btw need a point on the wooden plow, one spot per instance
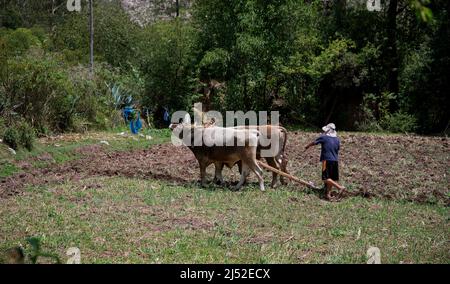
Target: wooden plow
(291, 177)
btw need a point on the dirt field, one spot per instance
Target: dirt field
(394, 167)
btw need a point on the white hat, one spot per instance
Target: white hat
(330, 130)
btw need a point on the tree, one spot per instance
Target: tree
(391, 47)
(91, 34)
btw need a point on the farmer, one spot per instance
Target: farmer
(329, 157)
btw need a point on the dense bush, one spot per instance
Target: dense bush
(11, 138)
(167, 55)
(38, 90)
(54, 96)
(215, 64)
(115, 36)
(400, 123)
(20, 40)
(27, 135)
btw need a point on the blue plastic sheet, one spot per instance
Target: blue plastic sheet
(135, 124)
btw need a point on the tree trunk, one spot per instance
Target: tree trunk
(91, 42)
(177, 6)
(339, 12)
(333, 106)
(391, 52)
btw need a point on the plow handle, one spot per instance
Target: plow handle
(291, 177)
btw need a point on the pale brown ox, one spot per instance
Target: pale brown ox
(272, 140)
(222, 146)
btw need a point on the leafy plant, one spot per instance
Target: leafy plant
(36, 251)
(27, 135)
(120, 97)
(400, 122)
(215, 63)
(11, 138)
(20, 40)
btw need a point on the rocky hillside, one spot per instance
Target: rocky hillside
(147, 11)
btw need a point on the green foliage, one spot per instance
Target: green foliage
(399, 122)
(50, 94)
(2, 126)
(27, 13)
(20, 134)
(375, 116)
(167, 60)
(115, 36)
(11, 138)
(19, 41)
(27, 135)
(38, 89)
(423, 12)
(11, 18)
(215, 64)
(313, 61)
(374, 109)
(35, 251)
(120, 98)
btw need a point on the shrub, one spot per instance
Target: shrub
(368, 126)
(38, 88)
(27, 135)
(10, 18)
(167, 62)
(21, 134)
(11, 138)
(2, 126)
(399, 122)
(214, 64)
(20, 40)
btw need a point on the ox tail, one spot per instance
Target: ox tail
(284, 159)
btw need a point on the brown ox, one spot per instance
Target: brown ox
(219, 146)
(272, 140)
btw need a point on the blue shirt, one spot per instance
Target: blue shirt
(330, 148)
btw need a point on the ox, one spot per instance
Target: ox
(222, 146)
(272, 140)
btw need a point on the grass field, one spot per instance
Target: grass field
(139, 215)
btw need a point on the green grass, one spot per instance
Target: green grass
(7, 169)
(119, 220)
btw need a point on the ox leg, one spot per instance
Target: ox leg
(244, 174)
(258, 172)
(239, 163)
(203, 173)
(271, 161)
(218, 178)
(283, 165)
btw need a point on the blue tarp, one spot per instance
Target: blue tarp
(135, 124)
